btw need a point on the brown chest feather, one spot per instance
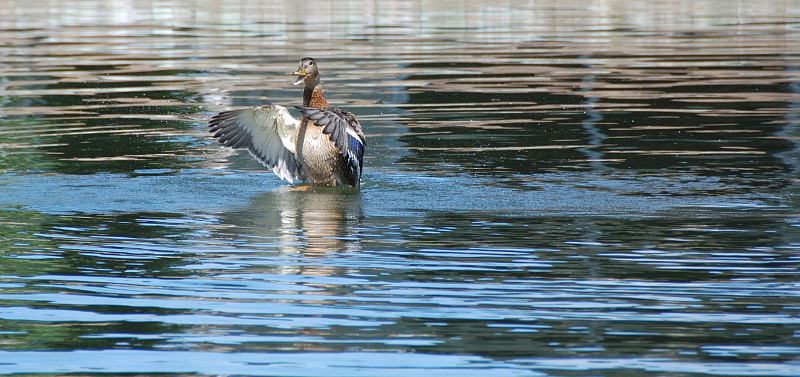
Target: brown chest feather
(313, 97)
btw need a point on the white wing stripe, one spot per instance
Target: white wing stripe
(268, 133)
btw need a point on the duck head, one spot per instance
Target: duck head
(307, 72)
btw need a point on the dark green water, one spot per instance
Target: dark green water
(591, 189)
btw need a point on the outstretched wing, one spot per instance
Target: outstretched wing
(344, 131)
(269, 134)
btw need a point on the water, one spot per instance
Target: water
(579, 189)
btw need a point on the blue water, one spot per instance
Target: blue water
(585, 190)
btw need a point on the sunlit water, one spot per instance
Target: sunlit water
(582, 189)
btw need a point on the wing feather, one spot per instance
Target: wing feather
(269, 134)
(345, 132)
(337, 124)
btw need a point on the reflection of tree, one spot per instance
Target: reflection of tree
(105, 126)
(33, 243)
(310, 223)
(17, 239)
(571, 117)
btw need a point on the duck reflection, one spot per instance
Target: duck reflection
(311, 223)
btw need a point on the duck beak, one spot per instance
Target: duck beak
(301, 74)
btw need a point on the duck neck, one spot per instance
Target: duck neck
(312, 97)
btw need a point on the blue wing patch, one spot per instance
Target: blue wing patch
(342, 127)
(355, 158)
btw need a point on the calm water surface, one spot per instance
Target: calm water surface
(595, 188)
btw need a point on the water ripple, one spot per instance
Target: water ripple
(591, 189)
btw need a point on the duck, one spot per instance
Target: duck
(325, 147)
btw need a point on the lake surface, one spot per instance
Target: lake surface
(591, 188)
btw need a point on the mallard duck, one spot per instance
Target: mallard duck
(325, 147)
